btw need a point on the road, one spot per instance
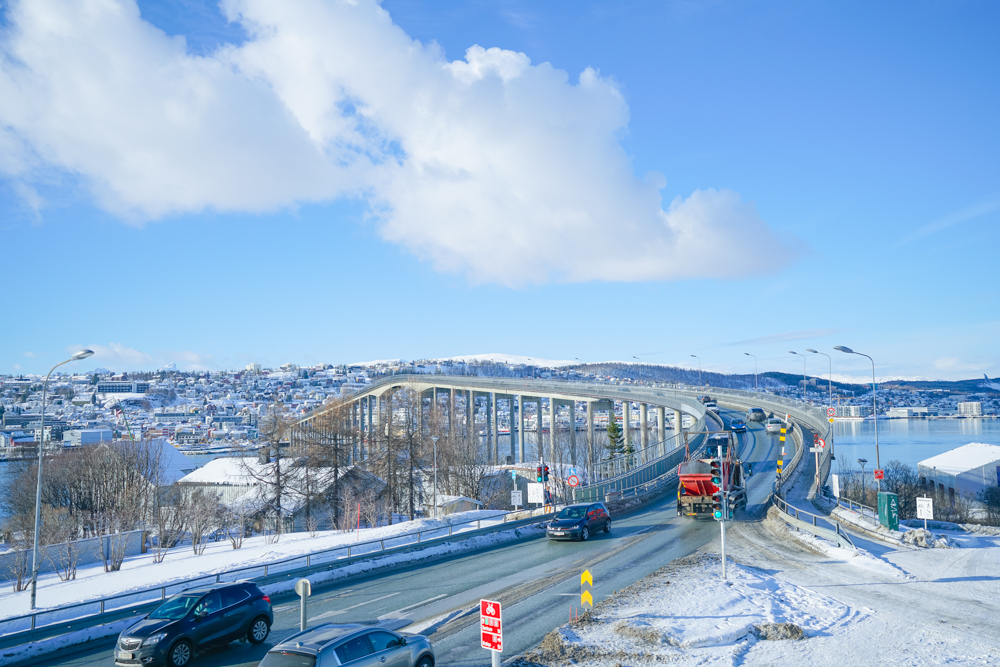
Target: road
(536, 581)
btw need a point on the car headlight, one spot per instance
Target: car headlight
(154, 639)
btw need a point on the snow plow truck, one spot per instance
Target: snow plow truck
(702, 482)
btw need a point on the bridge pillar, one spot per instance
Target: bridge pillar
(591, 459)
(553, 408)
(661, 429)
(520, 426)
(626, 422)
(643, 433)
(470, 416)
(572, 432)
(451, 413)
(679, 427)
(491, 427)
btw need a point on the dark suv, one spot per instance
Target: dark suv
(171, 633)
(350, 644)
(579, 522)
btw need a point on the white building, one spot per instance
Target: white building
(90, 436)
(962, 471)
(854, 410)
(970, 409)
(253, 368)
(909, 413)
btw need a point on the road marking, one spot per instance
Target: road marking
(436, 597)
(347, 609)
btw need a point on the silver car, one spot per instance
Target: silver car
(332, 645)
(774, 425)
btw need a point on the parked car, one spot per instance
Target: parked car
(738, 426)
(774, 425)
(756, 415)
(579, 522)
(350, 644)
(172, 633)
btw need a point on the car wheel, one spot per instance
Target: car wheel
(180, 654)
(607, 526)
(584, 534)
(259, 630)
(426, 662)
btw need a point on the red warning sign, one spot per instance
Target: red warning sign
(490, 625)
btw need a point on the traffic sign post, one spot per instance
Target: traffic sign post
(925, 510)
(515, 499)
(304, 589)
(491, 628)
(831, 412)
(879, 473)
(573, 480)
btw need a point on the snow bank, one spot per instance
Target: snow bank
(686, 613)
(181, 564)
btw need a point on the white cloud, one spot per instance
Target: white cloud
(29, 354)
(489, 166)
(118, 357)
(954, 365)
(16, 367)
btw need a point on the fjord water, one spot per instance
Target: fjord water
(908, 440)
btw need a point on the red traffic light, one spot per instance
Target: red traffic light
(545, 474)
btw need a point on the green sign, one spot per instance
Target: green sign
(888, 510)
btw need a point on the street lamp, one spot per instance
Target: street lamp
(699, 368)
(82, 354)
(803, 371)
(755, 387)
(435, 438)
(863, 499)
(847, 350)
(830, 405)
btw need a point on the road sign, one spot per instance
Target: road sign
(491, 629)
(879, 473)
(815, 450)
(821, 443)
(573, 480)
(303, 588)
(535, 494)
(586, 583)
(831, 412)
(516, 499)
(830, 420)
(925, 508)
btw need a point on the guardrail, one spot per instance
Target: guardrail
(851, 505)
(105, 609)
(793, 517)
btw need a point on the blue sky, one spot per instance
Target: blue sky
(324, 185)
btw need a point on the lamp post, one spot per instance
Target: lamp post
(863, 462)
(755, 386)
(847, 350)
(435, 438)
(699, 368)
(830, 404)
(82, 354)
(803, 371)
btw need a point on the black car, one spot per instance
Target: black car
(738, 426)
(756, 415)
(350, 644)
(171, 633)
(579, 522)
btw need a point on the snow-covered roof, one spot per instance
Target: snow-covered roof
(964, 458)
(444, 501)
(175, 464)
(231, 470)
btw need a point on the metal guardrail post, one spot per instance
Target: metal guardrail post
(382, 542)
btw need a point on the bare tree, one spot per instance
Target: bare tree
(170, 517)
(270, 469)
(204, 516)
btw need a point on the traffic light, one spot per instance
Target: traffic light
(538, 474)
(545, 474)
(717, 506)
(729, 509)
(716, 467)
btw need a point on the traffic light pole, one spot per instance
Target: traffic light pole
(722, 526)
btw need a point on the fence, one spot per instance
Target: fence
(793, 517)
(19, 629)
(88, 550)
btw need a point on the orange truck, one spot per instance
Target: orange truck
(703, 483)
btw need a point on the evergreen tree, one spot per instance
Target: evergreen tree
(615, 437)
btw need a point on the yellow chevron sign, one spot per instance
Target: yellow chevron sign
(585, 577)
(586, 598)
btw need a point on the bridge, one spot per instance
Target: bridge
(366, 410)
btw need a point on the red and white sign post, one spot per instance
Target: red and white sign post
(491, 629)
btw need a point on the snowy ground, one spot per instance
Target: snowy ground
(140, 572)
(791, 598)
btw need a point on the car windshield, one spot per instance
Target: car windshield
(175, 607)
(572, 513)
(288, 659)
